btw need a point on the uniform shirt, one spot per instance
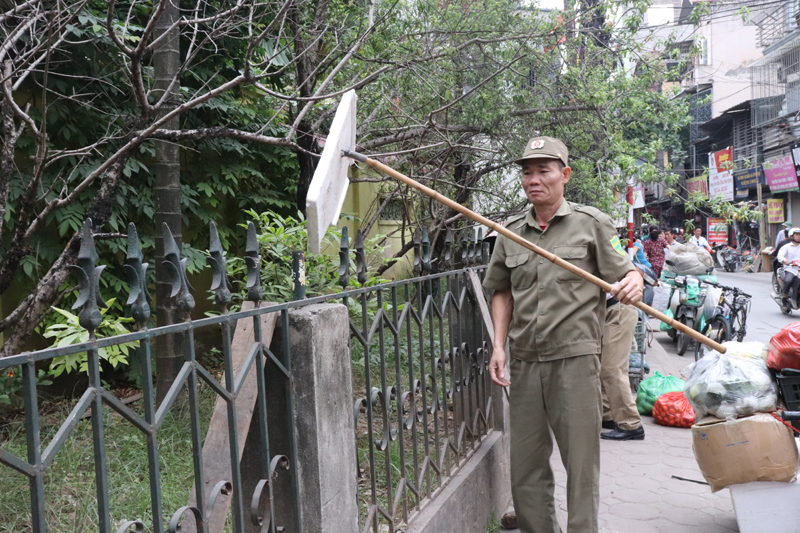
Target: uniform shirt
(556, 313)
(789, 252)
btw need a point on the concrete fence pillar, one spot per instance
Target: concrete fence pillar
(322, 393)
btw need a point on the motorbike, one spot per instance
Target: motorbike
(778, 282)
(688, 304)
(727, 257)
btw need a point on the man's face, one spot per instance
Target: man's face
(543, 181)
(668, 236)
(796, 237)
(698, 232)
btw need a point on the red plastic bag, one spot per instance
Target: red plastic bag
(673, 409)
(784, 348)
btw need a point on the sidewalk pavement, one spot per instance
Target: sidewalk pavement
(637, 491)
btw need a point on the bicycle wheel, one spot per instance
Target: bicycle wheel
(738, 325)
(718, 329)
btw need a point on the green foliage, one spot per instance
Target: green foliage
(279, 236)
(71, 332)
(11, 386)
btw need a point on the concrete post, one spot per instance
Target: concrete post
(323, 417)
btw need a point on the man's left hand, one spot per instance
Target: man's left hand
(629, 289)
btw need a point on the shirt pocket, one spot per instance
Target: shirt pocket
(522, 275)
(576, 254)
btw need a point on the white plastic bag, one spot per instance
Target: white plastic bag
(732, 384)
(689, 259)
(661, 297)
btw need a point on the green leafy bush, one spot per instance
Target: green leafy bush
(71, 332)
(279, 236)
(11, 386)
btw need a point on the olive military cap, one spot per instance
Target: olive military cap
(547, 148)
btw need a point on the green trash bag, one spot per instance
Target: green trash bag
(663, 325)
(653, 387)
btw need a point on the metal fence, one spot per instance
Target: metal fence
(420, 360)
(427, 402)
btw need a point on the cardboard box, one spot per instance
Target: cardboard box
(755, 448)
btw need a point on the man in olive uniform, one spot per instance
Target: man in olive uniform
(554, 319)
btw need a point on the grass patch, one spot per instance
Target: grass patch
(70, 498)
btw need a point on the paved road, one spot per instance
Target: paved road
(765, 318)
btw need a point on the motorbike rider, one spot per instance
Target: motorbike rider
(789, 255)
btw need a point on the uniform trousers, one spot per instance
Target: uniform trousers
(618, 401)
(562, 395)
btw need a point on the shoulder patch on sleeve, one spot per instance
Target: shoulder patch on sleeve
(617, 245)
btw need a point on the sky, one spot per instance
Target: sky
(551, 4)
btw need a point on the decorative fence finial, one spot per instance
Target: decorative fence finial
(448, 249)
(139, 299)
(219, 282)
(361, 258)
(344, 260)
(176, 268)
(426, 252)
(479, 247)
(88, 277)
(486, 253)
(464, 250)
(417, 266)
(470, 249)
(255, 293)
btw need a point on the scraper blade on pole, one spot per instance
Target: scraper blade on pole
(343, 153)
(329, 184)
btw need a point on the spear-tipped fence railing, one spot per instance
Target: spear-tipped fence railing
(422, 399)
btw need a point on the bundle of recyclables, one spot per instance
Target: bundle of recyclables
(688, 259)
(733, 384)
(736, 439)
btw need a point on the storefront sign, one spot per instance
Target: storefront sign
(697, 185)
(723, 160)
(720, 180)
(717, 231)
(780, 174)
(796, 157)
(775, 210)
(748, 178)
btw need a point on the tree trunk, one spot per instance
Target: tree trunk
(307, 163)
(169, 349)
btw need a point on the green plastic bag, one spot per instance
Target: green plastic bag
(653, 387)
(664, 326)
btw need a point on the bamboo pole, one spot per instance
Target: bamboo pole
(530, 246)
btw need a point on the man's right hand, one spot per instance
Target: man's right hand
(497, 367)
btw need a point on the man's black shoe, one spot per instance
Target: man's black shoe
(609, 424)
(509, 520)
(624, 434)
